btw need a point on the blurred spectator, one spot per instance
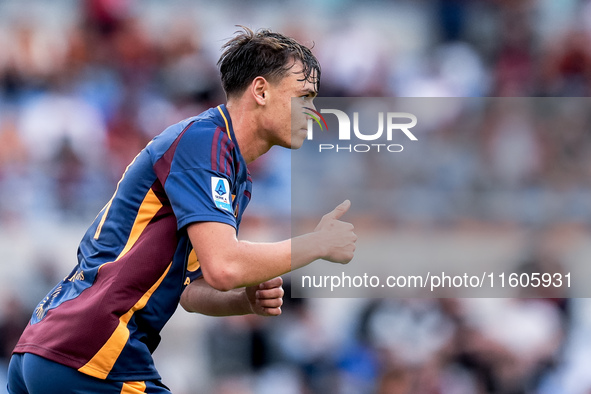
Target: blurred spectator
(514, 70)
(567, 65)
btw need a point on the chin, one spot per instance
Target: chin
(297, 139)
(296, 145)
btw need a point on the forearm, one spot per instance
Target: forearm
(275, 259)
(228, 263)
(200, 297)
(251, 263)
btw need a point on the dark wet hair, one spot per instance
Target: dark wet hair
(263, 53)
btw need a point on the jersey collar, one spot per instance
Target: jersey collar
(227, 120)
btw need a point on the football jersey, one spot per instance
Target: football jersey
(134, 261)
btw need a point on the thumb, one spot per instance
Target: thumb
(339, 211)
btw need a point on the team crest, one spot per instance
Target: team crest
(220, 191)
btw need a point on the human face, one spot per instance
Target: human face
(286, 119)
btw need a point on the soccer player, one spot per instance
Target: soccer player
(169, 234)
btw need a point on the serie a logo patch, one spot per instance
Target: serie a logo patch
(220, 191)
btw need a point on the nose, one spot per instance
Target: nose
(309, 111)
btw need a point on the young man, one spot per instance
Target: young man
(168, 234)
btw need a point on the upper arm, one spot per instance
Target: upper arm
(198, 175)
(215, 244)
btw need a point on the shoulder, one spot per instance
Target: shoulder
(202, 132)
(202, 141)
(191, 133)
(204, 125)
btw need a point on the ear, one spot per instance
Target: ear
(259, 90)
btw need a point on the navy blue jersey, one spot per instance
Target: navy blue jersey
(134, 261)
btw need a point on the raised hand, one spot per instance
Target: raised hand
(338, 238)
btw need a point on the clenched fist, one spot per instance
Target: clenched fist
(265, 299)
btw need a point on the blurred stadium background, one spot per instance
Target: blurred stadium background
(85, 84)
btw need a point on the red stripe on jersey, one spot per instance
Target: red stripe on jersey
(215, 149)
(225, 155)
(162, 166)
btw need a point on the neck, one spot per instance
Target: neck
(247, 131)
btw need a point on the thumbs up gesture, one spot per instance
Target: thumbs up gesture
(338, 238)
